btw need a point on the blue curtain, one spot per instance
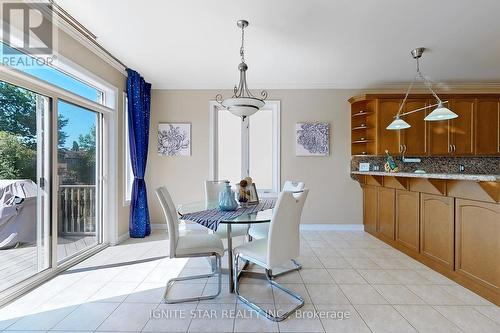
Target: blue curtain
(139, 101)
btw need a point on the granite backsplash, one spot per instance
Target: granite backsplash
(472, 165)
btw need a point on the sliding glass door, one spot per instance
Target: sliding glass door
(78, 169)
(24, 184)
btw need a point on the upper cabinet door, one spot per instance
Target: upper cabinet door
(487, 127)
(387, 139)
(414, 139)
(462, 128)
(439, 137)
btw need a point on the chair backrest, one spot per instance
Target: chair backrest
(293, 186)
(284, 234)
(213, 188)
(171, 217)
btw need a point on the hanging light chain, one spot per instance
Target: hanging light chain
(242, 48)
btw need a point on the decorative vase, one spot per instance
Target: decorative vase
(227, 201)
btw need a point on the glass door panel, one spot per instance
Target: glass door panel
(229, 147)
(24, 184)
(78, 174)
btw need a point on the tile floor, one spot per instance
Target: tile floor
(351, 282)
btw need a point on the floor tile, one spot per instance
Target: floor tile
(213, 318)
(384, 319)
(362, 294)
(434, 295)
(335, 262)
(170, 317)
(114, 291)
(362, 263)
(318, 276)
(146, 293)
(468, 319)
(256, 293)
(397, 294)
(283, 298)
(346, 276)
(426, 319)
(465, 295)
(87, 317)
(248, 320)
(43, 320)
(492, 312)
(326, 294)
(378, 276)
(341, 319)
(408, 276)
(224, 297)
(303, 320)
(128, 317)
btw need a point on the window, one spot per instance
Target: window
(247, 148)
(129, 174)
(57, 77)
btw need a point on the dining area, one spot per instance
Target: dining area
(268, 231)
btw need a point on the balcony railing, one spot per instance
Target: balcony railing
(77, 213)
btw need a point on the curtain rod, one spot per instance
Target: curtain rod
(59, 11)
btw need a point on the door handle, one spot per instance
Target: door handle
(400, 148)
(454, 148)
(404, 149)
(449, 148)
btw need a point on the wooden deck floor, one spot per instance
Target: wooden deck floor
(20, 263)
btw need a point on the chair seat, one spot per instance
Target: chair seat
(197, 244)
(236, 230)
(255, 251)
(259, 230)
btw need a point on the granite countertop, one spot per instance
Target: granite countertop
(455, 176)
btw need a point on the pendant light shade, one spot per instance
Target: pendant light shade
(243, 103)
(440, 113)
(398, 124)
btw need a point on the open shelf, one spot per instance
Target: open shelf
(361, 141)
(360, 128)
(363, 113)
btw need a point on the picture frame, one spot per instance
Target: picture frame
(254, 196)
(312, 139)
(174, 139)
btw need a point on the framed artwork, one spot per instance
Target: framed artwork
(174, 139)
(312, 139)
(254, 197)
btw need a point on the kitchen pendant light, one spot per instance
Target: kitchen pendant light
(440, 113)
(242, 103)
(397, 124)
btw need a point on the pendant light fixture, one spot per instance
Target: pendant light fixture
(242, 103)
(439, 113)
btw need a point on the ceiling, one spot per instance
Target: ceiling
(194, 44)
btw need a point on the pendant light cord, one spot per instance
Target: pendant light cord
(242, 48)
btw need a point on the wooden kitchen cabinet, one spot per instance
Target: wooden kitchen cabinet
(462, 127)
(487, 127)
(437, 236)
(477, 242)
(414, 139)
(370, 208)
(386, 139)
(386, 221)
(408, 219)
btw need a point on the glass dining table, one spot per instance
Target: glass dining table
(263, 216)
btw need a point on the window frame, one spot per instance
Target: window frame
(127, 163)
(274, 107)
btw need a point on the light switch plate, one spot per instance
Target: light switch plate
(364, 166)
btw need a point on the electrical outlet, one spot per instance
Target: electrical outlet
(461, 167)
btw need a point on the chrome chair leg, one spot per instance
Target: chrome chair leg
(268, 314)
(296, 268)
(215, 270)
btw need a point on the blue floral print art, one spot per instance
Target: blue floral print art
(313, 139)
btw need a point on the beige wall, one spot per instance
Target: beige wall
(333, 197)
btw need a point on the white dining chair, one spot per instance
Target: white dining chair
(212, 190)
(260, 230)
(281, 245)
(187, 246)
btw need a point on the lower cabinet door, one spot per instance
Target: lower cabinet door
(370, 208)
(477, 243)
(407, 219)
(386, 201)
(437, 236)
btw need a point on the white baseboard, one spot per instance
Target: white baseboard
(332, 227)
(308, 226)
(122, 238)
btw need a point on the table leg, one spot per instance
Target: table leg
(230, 258)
